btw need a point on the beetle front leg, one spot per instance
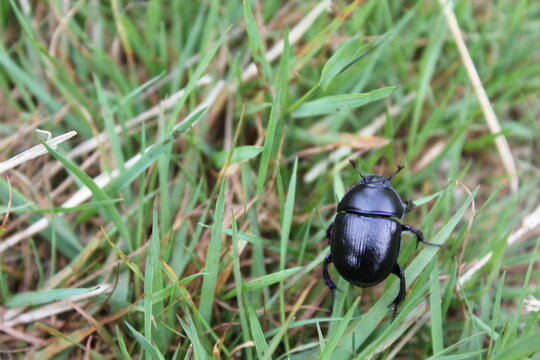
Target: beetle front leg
(419, 235)
(326, 275)
(398, 271)
(329, 232)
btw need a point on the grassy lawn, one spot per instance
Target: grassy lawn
(187, 158)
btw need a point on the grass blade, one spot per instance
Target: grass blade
(337, 334)
(212, 258)
(268, 143)
(255, 43)
(336, 103)
(149, 348)
(31, 298)
(239, 154)
(97, 192)
(265, 281)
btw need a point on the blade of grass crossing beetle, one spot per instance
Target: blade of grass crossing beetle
(364, 326)
(97, 192)
(212, 257)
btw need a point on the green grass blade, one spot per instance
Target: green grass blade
(238, 283)
(344, 57)
(151, 155)
(239, 154)
(152, 279)
(285, 232)
(265, 281)
(31, 298)
(256, 332)
(255, 43)
(193, 334)
(435, 309)
(521, 348)
(336, 103)
(122, 344)
(212, 258)
(268, 143)
(149, 348)
(97, 192)
(337, 334)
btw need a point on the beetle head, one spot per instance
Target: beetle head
(375, 180)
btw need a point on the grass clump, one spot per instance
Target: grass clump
(187, 218)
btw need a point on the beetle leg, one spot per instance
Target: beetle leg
(419, 235)
(326, 275)
(409, 206)
(398, 271)
(329, 232)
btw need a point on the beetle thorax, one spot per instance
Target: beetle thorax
(372, 200)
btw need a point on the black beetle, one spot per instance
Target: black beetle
(365, 237)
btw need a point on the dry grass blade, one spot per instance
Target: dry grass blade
(35, 151)
(54, 308)
(485, 104)
(529, 223)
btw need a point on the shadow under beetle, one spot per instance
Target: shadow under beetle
(365, 237)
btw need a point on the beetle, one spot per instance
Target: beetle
(365, 236)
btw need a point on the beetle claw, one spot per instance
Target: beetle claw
(398, 271)
(409, 206)
(427, 243)
(419, 236)
(333, 291)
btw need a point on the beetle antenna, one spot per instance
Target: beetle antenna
(399, 168)
(353, 163)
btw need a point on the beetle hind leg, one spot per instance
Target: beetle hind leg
(419, 235)
(326, 275)
(398, 271)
